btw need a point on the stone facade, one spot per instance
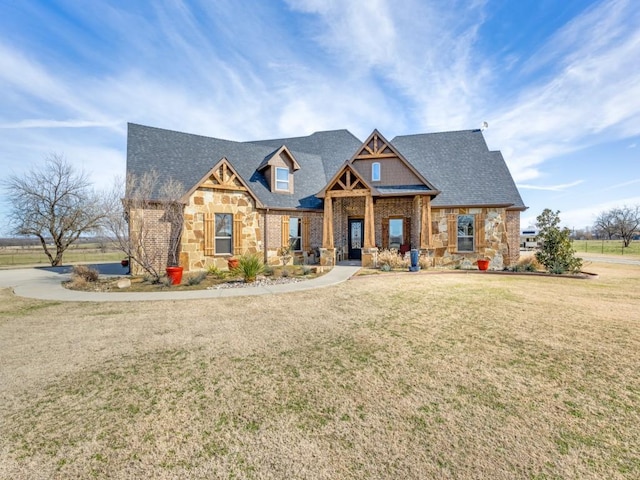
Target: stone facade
(492, 237)
(247, 231)
(262, 231)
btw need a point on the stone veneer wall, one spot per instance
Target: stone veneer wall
(495, 245)
(203, 200)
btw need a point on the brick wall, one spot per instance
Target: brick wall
(151, 235)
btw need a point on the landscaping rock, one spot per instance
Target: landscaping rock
(124, 283)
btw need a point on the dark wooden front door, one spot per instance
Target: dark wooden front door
(356, 234)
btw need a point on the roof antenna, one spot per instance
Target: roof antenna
(484, 126)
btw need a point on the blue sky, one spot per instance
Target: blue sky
(557, 81)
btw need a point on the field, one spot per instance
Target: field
(607, 247)
(81, 252)
(407, 376)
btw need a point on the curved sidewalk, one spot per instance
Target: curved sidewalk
(46, 284)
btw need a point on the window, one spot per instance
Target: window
(282, 179)
(295, 233)
(396, 230)
(224, 233)
(465, 233)
(375, 172)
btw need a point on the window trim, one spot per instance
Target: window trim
(374, 171)
(467, 234)
(297, 238)
(216, 237)
(287, 181)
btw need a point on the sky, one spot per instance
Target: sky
(557, 81)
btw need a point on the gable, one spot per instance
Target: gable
(393, 167)
(222, 177)
(347, 182)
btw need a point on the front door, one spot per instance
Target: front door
(356, 233)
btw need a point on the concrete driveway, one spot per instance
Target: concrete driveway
(45, 283)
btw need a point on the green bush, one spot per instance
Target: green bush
(556, 253)
(215, 272)
(250, 266)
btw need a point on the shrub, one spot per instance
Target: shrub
(385, 267)
(424, 261)
(250, 266)
(197, 278)
(556, 252)
(215, 272)
(85, 273)
(389, 258)
(268, 270)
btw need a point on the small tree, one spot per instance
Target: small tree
(556, 253)
(605, 225)
(146, 219)
(627, 222)
(54, 203)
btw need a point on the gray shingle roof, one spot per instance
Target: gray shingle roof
(458, 164)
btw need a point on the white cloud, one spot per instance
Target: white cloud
(594, 92)
(551, 188)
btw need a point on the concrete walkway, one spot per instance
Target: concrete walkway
(46, 284)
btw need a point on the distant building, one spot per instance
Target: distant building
(529, 239)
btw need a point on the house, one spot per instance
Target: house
(332, 195)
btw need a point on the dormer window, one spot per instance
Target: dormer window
(282, 179)
(375, 172)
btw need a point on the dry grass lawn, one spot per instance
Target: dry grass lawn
(400, 377)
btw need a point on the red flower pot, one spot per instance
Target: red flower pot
(483, 264)
(175, 275)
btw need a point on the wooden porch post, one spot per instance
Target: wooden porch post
(369, 223)
(425, 223)
(327, 225)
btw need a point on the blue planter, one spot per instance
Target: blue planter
(415, 255)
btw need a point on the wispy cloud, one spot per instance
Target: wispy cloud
(550, 188)
(593, 89)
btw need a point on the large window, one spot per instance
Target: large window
(465, 233)
(375, 172)
(396, 232)
(282, 179)
(295, 233)
(224, 233)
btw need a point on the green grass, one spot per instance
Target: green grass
(608, 247)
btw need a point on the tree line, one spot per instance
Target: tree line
(622, 223)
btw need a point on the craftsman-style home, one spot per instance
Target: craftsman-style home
(330, 196)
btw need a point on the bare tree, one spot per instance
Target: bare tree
(627, 222)
(146, 219)
(621, 222)
(54, 203)
(605, 224)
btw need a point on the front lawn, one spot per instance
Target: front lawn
(405, 376)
